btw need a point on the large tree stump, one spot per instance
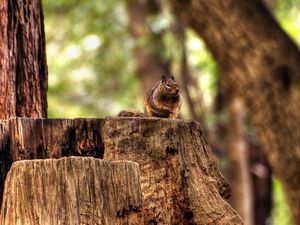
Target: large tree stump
(180, 178)
(73, 191)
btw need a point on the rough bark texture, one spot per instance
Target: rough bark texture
(73, 191)
(180, 178)
(240, 178)
(262, 65)
(23, 67)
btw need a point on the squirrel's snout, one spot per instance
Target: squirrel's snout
(176, 91)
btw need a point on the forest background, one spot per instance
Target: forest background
(103, 56)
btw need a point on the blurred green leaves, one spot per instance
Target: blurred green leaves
(89, 55)
(288, 14)
(281, 214)
(91, 63)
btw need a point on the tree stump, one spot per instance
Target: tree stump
(73, 190)
(180, 178)
(24, 138)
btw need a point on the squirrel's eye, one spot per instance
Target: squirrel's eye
(168, 86)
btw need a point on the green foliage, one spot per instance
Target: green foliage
(281, 213)
(89, 52)
(91, 62)
(288, 15)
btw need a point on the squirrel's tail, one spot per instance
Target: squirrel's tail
(131, 113)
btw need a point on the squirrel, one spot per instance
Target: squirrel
(162, 100)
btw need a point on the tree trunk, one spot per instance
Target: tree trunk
(149, 50)
(261, 176)
(240, 178)
(73, 191)
(196, 107)
(262, 65)
(180, 178)
(23, 67)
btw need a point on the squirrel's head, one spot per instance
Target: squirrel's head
(169, 86)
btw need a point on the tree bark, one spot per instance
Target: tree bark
(262, 65)
(180, 178)
(23, 67)
(73, 191)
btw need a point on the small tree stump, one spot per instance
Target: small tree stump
(180, 178)
(72, 191)
(24, 138)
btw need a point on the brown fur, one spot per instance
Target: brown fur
(163, 100)
(131, 113)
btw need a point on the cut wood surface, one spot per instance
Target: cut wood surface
(180, 177)
(73, 191)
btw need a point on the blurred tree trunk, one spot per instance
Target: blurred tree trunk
(249, 152)
(262, 65)
(23, 68)
(261, 176)
(149, 49)
(196, 108)
(240, 177)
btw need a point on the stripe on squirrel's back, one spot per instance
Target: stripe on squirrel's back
(163, 100)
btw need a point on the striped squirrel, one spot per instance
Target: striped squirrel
(162, 100)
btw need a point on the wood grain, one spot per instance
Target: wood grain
(74, 190)
(180, 177)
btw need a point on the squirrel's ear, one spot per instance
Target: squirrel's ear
(163, 78)
(172, 78)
